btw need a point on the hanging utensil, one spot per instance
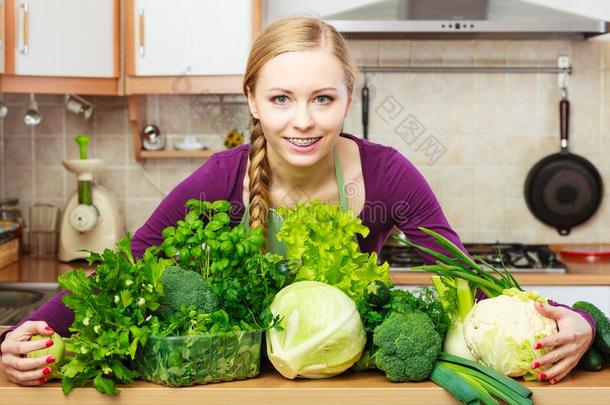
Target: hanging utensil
(563, 190)
(365, 109)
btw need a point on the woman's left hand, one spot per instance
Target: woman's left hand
(566, 347)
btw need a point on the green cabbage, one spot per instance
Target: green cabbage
(321, 332)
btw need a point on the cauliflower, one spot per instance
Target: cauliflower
(501, 332)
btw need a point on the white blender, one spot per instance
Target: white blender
(91, 219)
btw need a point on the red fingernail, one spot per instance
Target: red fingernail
(48, 328)
(46, 371)
(535, 364)
(542, 376)
(43, 380)
(553, 381)
(537, 345)
(50, 359)
(50, 343)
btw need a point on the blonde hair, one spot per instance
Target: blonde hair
(286, 35)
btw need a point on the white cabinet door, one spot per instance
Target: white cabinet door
(192, 37)
(2, 35)
(65, 38)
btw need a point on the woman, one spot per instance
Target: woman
(299, 84)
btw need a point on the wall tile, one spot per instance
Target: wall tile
(114, 180)
(52, 120)
(139, 186)
(111, 121)
(138, 211)
(49, 150)
(49, 182)
(13, 122)
(395, 53)
(19, 183)
(112, 150)
(18, 152)
(174, 119)
(75, 125)
(489, 214)
(489, 53)
(426, 53)
(364, 52)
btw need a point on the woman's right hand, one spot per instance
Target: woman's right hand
(20, 369)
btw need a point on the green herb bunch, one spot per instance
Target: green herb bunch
(231, 259)
(111, 310)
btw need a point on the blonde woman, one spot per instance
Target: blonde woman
(299, 83)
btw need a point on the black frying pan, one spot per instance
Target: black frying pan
(563, 189)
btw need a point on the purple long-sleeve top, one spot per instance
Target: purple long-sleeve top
(396, 194)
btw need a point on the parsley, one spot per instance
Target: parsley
(111, 311)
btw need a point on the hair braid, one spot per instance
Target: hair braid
(259, 178)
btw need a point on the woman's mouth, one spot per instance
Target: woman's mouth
(303, 145)
(302, 142)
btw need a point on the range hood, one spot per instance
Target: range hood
(442, 19)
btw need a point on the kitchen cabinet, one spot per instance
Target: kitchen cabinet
(62, 46)
(188, 46)
(64, 38)
(2, 34)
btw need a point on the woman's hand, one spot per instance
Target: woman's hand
(566, 347)
(23, 370)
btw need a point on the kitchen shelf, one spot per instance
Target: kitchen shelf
(136, 105)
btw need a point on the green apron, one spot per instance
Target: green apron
(274, 219)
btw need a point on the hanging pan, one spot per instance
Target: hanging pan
(563, 190)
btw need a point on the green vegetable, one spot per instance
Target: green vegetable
(602, 337)
(424, 299)
(473, 383)
(592, 360)
(229, 258)
(407, 346)
(320, 333)
(200, 359)
(184, 287)
(500, 330)
(453, 382)
(322, 238)
(57, 351)
(377, 294)
(111, 310)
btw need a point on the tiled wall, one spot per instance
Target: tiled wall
(492, 128)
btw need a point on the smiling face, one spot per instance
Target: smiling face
(301, 101)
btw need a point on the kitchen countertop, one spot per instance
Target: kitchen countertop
(270, 388)
(36, 269)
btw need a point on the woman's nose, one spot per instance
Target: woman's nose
(302, 118)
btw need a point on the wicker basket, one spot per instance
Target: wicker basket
(9, 252)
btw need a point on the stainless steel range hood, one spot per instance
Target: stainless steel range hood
(443, 19)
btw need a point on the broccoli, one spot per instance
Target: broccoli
(185, 287)
(406, 346)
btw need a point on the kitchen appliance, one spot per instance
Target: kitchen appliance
(563, 190)
(441, 19)
(516, 257)
(91, 219)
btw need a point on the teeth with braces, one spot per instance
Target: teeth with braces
(303, 142)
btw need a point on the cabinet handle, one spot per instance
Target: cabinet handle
(141, 26)
(26, 29)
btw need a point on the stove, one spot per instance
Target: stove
(516, 257)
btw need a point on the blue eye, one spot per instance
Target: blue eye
(278, 97)
(329, 99)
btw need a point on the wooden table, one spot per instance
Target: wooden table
(270, 388)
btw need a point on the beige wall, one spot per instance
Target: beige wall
(494, 127)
